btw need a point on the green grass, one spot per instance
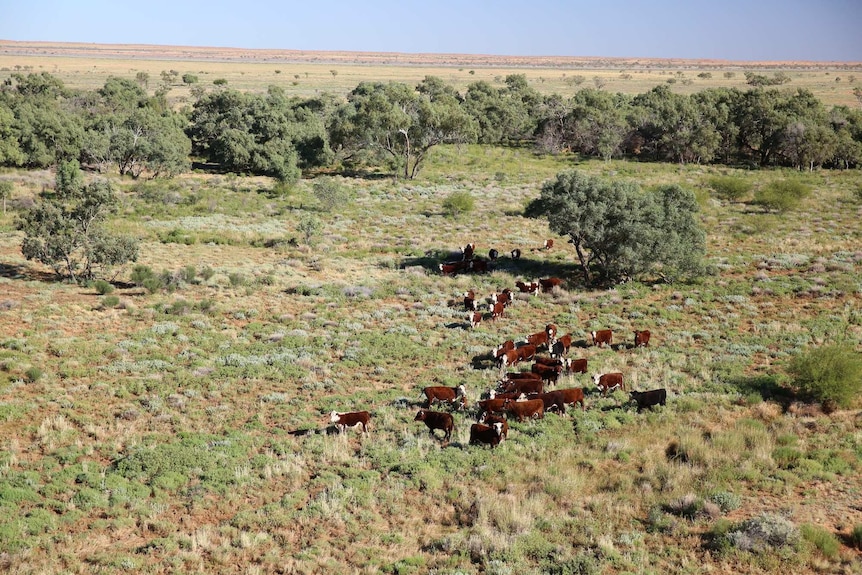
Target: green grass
(179, 401)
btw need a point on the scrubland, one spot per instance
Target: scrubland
(184, 430)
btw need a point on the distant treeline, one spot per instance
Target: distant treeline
(394, 125)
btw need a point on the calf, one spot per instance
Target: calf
(548, 244)
(649, 398)
(532, 287)
(642, 338)
(602, 337)
(548, 284)
(575, 365)
(531, 408)
(475, 318)
(562, 345)
(493, 254)
(504, 297)
(516, 254)
(470, 301)
(491, 419)
(437, 420)
(608, 382)
(447, 394)
(486, 434)
(549, 373)
(496, 310)
(350, 419)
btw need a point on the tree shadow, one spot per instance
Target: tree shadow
(24, 272)
(767, 386)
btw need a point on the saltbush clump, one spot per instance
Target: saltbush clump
(726, 500)
(729, 187)
(762, 533)
(103, 287)
(829, 374)
(458, 203)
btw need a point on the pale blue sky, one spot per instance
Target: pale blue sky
(752, 30)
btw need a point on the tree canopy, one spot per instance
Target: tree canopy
(620, 231)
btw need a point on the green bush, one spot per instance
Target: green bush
(458, 203)
(729, 187)
(140, 273)
(781, 196)
(831, 373)
(822, 539)
(726, 500)
(103, 287)
(330, 193)
(33, 374)
(855, 538)
(110, 301)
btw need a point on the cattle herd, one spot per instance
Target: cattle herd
(519, 395)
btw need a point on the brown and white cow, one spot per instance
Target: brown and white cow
(551, 330)
(538, 339)
(452, 268)
(532, 287)
(528, 409)
(486, 434)
(561, 346)
(475, 318)
(491, 419)
(470, 301)
(575, 365)
(516, 254)
(549, 243)
(608, 382)
(437, 420)
(496, 310)
(602, 337)
(520, 387)
(642, 338)
(353, 419)
(549, 373)
(478, 266)
(502, 348)
(563, 397)
(445, 394)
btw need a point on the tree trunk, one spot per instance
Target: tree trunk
(585, 267)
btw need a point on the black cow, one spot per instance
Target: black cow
(649, 398)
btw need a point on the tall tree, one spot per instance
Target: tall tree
(618, 231)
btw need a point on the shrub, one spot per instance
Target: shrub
(330, 193)
(831, 373)
(103, 287)
(767, 531)
(855, 538)
(458, 203)
(781, 196)
(141, 273)
(729, 187)
(33, 374)
(726, 500)
(110, 301)
(822, 539)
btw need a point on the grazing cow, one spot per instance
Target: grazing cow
(491, 419)
(448, 394)
(496, 310)
(470, 301)
(548, 244)
(492, 405)
(549, 373)
(516, 254)
(504, 297)
(548, 284)
(486, 434)
(503, 348)
(350, 419)
(568, 396)
(452, 268)
(532, 287)
(518, 376)
(608, 382)
(523, 386)
(513, 356)
(576, 365)
(437, 420)
(649, 398)
(602, 337)
(526, 352)
(478, 266)
(475, 318)
(537, 339)
(493, 254)
(530, 408)
(562, 345)
(467, 252)
(642, 338)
